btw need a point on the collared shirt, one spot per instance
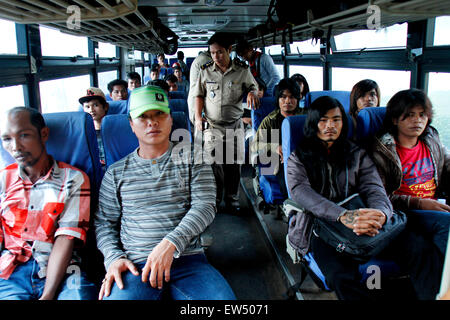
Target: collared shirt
(262, 143)
(223, 91)
(33, 215)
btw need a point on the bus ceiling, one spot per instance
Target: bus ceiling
(157, 26)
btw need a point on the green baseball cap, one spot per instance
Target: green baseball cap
(147, 98)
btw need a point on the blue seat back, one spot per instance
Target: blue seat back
(267, 106)
(72, 140)
(342, 96)
(119, 140)
(369, 122)
(177, 94)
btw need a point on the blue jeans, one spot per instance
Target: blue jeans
(25, 284)
(191, 278)
(433, 225)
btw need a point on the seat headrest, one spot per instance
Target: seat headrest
(267, 105)
(115, 107)
(292, 134)
(369, 122)
(119, 140)
(177, 94)
(342, 96)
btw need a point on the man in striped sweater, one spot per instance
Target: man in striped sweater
(152, 211)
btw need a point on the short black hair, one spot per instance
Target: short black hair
(134, 76)
(117, 82)
(243, 45)
(36, 118)
(159, 83)
(401, 103)
(180, 55)
(171, 77)
(287, 84)
(223, 39)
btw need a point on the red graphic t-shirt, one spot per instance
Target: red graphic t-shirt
(418, 171)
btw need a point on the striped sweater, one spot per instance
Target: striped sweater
(145, 201)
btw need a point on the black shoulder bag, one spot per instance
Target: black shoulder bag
(361, 247)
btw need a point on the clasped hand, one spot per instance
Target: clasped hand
(157, 268)
(364, 221)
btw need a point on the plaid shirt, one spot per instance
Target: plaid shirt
(33, 215)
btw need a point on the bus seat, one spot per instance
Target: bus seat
(180, 105)
(189, 61)
(118, 138)
(342, 96)
(115, 107)
(292, 132)
(369, 122)
(177, 95)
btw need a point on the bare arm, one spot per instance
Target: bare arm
(199, 103)
(57, 265)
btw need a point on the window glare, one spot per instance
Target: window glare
(106, 50)
(12, 97)
(442, 31)
(9, 42)
(438, 92)
(390, 82)
(313, 75)
(307, 46)
(104, 78)
(62, 95)
(56, 43)
(394, 36)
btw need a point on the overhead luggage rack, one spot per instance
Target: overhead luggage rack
(120, 22)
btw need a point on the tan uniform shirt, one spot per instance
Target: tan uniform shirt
(223, 92)
(202, 58)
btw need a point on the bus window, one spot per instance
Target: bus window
(137, 55)
(56, 43)
(280, 69)
(441, 31)
(12, 97)
(104, 78)
(62, 94)
(9, 42)
(314, 76)
(389, 81)
(276, 49)
(305, 47)
(394, 36)
(190, 52)
(106, 50)
(439, 93)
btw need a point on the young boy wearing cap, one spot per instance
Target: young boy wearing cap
(152, 210)
(94, 103)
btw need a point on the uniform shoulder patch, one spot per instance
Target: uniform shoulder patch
(207, 65)
(240, 63)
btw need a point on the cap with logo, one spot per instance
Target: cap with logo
(92, 93)
(147, 98)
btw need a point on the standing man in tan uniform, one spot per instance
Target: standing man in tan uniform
(202, 58)
(219, 90)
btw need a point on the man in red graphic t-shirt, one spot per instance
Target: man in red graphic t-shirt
(414, 165)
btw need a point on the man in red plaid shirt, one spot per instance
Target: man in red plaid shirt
(44, 207)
